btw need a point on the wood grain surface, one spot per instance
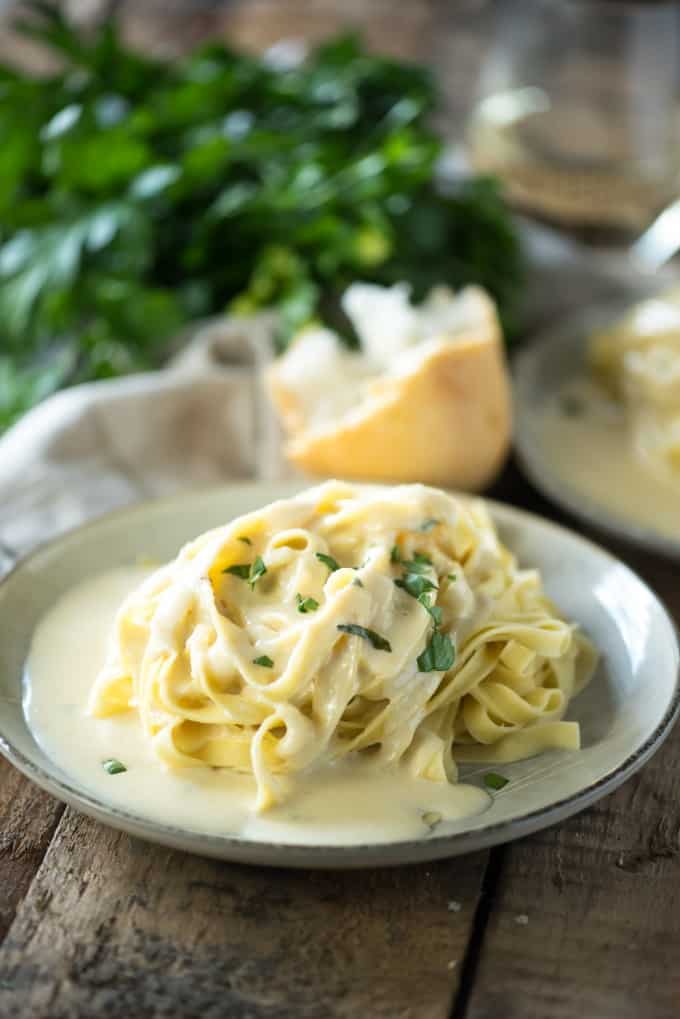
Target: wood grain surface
(601, 900)
(578, 922)
(113, 927)
(28, 818)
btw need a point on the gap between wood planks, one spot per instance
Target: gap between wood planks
(485, 903)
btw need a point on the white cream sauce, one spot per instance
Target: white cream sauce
(587, 442)
(345, 804)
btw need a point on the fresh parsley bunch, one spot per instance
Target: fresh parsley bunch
(136, 195)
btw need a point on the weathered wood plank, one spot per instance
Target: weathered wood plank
(28, 818)
(113, 927)
(601, 898)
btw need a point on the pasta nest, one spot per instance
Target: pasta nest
(386, 623)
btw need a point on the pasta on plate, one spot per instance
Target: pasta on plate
(637, 360)
(386, 622)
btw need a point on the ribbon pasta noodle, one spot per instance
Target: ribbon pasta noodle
(349, 619)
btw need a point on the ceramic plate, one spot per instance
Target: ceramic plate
(540, 371)
(625, 712)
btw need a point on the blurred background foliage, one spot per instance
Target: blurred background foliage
(138, 194)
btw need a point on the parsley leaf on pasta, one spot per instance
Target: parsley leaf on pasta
(306, 604)
(257, 570)
(439, 654)
(430, 607)
(378, 642)
(415, 584)
(248, 571)
(328, 561)
(241, 570)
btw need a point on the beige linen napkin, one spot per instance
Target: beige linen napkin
(86, 450)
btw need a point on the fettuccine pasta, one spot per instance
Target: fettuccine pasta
(388, 622)
(638, 361)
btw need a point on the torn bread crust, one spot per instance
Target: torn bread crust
(439, 413)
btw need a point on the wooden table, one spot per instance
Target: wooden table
(581, 921)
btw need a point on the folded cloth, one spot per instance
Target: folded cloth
(98, 446)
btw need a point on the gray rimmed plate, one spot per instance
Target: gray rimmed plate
(541, 371)
(625, 713)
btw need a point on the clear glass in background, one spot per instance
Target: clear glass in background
(578, 111)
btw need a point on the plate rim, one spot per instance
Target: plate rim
(367, 854)
(558, 490)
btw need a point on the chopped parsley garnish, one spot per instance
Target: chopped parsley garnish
(306, 604)
(328, 561)
(241, 570)
(439, 654)
(246, 541)
(430, 607)
(419, 564)
(419, 586)
(113, 767)
(415, 585)
(427, 525)
(265, 661)
(395, 554)
(492, 780)
(358, 582)
(420, 557)
(257, 570)
(378, 642)
(452, 577)
(248, 571)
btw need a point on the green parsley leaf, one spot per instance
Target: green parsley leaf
(439, 655)
(452, 577)
(113, 767)
(378, 642)
(395, 554)
(434, 610)
(492, 780)
(419, 564)
(306, 604)
(257, 570)
(264, 660)
(415, 585)
(247, 571)
(246, 541)
(328, 561)
(241, 570)
(427, 525)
